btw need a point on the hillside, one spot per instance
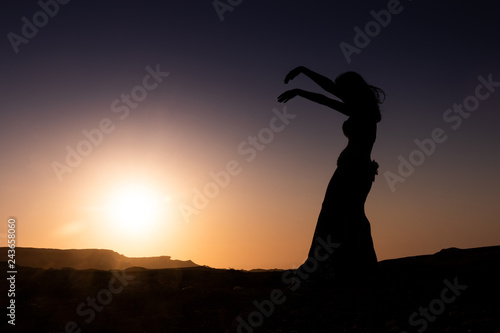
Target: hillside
(452, 291)
(89, 259)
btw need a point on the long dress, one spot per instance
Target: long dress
(342, 219)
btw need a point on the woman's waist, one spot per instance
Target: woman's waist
(348, 156)
(357, 160)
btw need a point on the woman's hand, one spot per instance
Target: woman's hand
(288, 95)
(293, 73)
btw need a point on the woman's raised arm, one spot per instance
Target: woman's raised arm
(324, 82)
(314, 97)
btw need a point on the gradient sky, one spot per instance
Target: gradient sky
(224, 79)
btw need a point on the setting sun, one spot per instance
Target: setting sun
(136, 208)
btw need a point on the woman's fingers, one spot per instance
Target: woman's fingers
(282, 98)
(286, 96)
(292, 74)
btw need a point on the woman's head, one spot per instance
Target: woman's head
(354, 90)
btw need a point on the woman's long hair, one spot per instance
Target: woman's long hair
(361, 96)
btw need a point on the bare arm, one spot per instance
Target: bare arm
(315, 97)
(324, 82)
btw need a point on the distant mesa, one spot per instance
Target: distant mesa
(450, 250)
(90, 259)
(260, 270)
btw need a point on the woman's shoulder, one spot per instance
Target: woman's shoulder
(361, 112)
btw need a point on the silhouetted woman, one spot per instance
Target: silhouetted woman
(342, 218)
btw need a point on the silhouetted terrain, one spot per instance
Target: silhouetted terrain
(89, 259)
(453, 290)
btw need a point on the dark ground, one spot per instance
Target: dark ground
(210, 300)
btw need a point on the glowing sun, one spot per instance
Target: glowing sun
(136, 208)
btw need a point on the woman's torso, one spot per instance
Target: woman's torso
(361, 134)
